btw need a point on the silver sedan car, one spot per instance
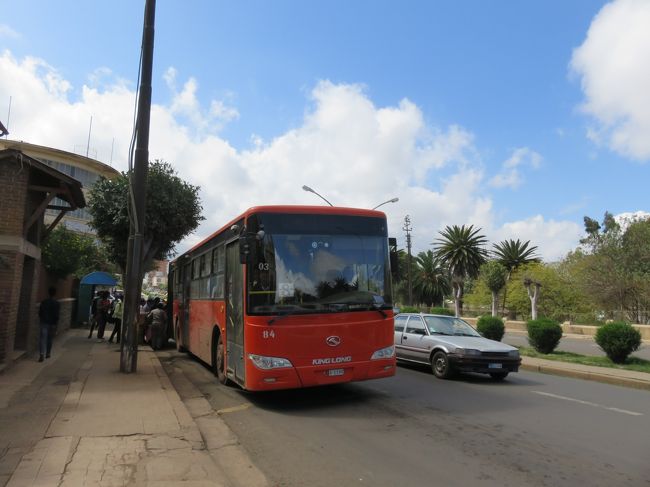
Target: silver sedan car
(451, 345)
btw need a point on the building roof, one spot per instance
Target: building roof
(42, 152)
(49, 179)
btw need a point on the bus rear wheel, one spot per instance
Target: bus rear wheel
(219, 362)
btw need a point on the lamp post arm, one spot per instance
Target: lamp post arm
(392, 200)
(309, 190)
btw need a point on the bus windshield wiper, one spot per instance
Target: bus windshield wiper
(280, 316)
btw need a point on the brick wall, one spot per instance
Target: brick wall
(13, 188)
(11, 270)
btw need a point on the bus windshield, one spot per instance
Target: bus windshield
(328, 263)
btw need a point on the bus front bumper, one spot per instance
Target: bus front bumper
(311, 376)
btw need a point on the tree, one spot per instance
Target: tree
(494, 275)
(613, 266)
(173, 210)
(430, 281)
(561, 299)
(533, 295)
(512, 254)
(66, 252)
(462, 251)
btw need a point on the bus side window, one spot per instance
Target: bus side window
(218, 268)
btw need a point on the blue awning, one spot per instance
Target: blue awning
(99, 278)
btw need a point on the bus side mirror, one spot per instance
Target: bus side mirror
(248, 244)
(244, 249)
(394, 261)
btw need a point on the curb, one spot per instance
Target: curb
(220, 442)
(588, 375)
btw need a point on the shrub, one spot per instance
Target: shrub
(441, 311)
(544, 334)
(491, 327)
(409, 309)
(618, 340)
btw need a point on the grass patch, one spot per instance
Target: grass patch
(632, 363)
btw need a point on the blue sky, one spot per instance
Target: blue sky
(519, 117)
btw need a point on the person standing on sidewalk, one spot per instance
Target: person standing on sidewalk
(157, 319)
(48, 314)
(118, 311)
(102, 315)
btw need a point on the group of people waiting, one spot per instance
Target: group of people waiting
(152, 318)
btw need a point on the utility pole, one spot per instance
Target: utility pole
(137, 200)
(407, 228)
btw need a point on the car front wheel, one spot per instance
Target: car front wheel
(440, 366)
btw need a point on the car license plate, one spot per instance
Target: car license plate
(494, 366)
(335, 372)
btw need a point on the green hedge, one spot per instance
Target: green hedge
(438, 310)
(618, 340)
(409, 309)
(544, 334)
(491, 327)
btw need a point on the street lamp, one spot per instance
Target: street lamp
(308, 189)
(394, 200)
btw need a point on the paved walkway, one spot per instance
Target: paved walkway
(75, 420)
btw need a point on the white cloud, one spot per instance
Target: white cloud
(351, 151)
(8, 32)
(615, 75)
(553, 238)
(510, 175)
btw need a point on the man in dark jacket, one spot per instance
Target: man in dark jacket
(48, 314)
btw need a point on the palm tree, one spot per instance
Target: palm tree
(494, 274)
(512, 254)
(462, 251)
(430, 283)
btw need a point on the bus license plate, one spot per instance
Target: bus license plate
(494, 366)
(335, 372)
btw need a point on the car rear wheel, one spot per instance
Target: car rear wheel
(440, 365)
(499, 375)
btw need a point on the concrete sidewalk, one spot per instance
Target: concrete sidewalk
(75, 420)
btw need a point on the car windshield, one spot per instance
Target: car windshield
(327, 263)
(448, 325)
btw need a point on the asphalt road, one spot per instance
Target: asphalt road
(415, 430)
(581, 345)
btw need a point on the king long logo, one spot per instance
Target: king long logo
(332, 360)
(333, 341)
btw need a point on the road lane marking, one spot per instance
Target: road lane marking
(234, 409)
(587, 403)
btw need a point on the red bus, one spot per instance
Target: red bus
(289, 296)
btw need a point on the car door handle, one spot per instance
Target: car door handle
(404, 338)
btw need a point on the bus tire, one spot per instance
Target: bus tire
(219, 360)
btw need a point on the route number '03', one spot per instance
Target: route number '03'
(263, 266)
(268, 334)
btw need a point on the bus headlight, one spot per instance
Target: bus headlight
(267, 363)
(383, 353)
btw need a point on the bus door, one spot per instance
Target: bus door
(184, 309)
(234, 314)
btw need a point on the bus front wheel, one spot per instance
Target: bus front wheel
(219, 362)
